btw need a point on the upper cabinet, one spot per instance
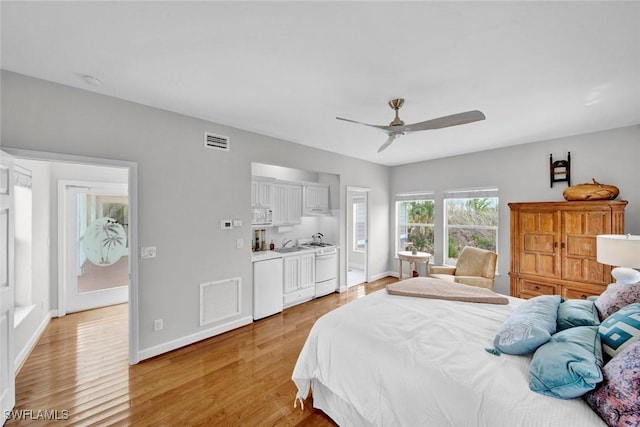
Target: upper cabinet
(287, 203)
(261, 192)
(315, 199)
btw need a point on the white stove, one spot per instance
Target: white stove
(320, 248)
(326, 267)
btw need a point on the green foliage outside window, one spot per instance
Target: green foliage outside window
(419, 222)
(471, 222)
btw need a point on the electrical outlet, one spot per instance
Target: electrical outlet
(157, 325)
(239, 243)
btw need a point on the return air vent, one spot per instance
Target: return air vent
(219, 300)
(217, 142)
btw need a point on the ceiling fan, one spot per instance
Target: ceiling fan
(397, 127)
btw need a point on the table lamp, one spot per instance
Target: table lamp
(622, 251)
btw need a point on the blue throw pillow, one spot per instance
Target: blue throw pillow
(577, 312)
(529, 326)
(569, 365)
(620, 329)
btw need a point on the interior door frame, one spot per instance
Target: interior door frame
(63, 230)
(350, 189)
(132, 167)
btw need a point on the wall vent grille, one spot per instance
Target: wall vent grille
(219, 300)
(217, 142)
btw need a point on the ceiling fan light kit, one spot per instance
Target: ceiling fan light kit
(398, 128)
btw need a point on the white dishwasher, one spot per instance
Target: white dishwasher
(267, 287)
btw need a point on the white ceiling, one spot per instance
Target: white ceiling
(538, 70)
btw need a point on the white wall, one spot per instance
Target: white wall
(27, 332)
(184, 190)
(522, 174)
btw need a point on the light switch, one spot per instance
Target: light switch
(148, 252)
(226, 224)
(240, 243)
(237, 223)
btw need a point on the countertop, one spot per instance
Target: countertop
(265, 255)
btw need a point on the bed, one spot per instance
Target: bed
(389, 360)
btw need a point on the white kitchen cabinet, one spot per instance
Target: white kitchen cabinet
(261, 193)
(287, 203)
(299, 279)
(267, 287)
(316, 199)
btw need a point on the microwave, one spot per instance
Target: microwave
(261, 216)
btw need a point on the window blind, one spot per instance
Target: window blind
(471, 193)
(405, 197)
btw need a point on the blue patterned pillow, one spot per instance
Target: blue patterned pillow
(620, 329)
(529, 326)
(569, 364)
(577, 312)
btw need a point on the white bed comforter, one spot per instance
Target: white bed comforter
(405, 361)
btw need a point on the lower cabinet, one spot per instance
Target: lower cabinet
(299, 279)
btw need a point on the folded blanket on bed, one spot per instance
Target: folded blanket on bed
(429, 287)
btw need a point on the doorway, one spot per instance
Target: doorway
(357, 235)
(89, 169)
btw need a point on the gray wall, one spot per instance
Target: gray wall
(522, 174)
(184, 189)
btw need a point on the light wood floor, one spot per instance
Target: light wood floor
(240, 378)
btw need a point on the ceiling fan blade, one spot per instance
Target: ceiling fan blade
(392, 137)
(447, 121)
(384, 128)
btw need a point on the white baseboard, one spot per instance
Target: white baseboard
(383, 274)
(190, 339)
(20, 358)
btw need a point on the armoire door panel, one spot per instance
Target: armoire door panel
(580, 246)
(597, 223)
(542, 243)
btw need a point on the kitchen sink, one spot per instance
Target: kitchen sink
(287, 250)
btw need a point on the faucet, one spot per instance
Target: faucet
(285, 242)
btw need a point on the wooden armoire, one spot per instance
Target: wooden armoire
(553, 247)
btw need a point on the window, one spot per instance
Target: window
(414, 221)
(471, 219)
(359, 224)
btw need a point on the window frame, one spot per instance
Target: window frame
(465, 195)
(408, 198)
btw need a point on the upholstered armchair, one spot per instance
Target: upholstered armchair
(476, 267)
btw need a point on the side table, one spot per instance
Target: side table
(413, 259)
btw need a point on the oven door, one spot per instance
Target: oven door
(326, 266)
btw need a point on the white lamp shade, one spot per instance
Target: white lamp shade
(618, 250)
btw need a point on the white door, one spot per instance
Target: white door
(7, 374)
(95, 222)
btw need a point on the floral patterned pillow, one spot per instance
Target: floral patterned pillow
(615, 297)
(617, 398)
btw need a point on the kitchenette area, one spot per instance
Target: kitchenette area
(294, 229)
